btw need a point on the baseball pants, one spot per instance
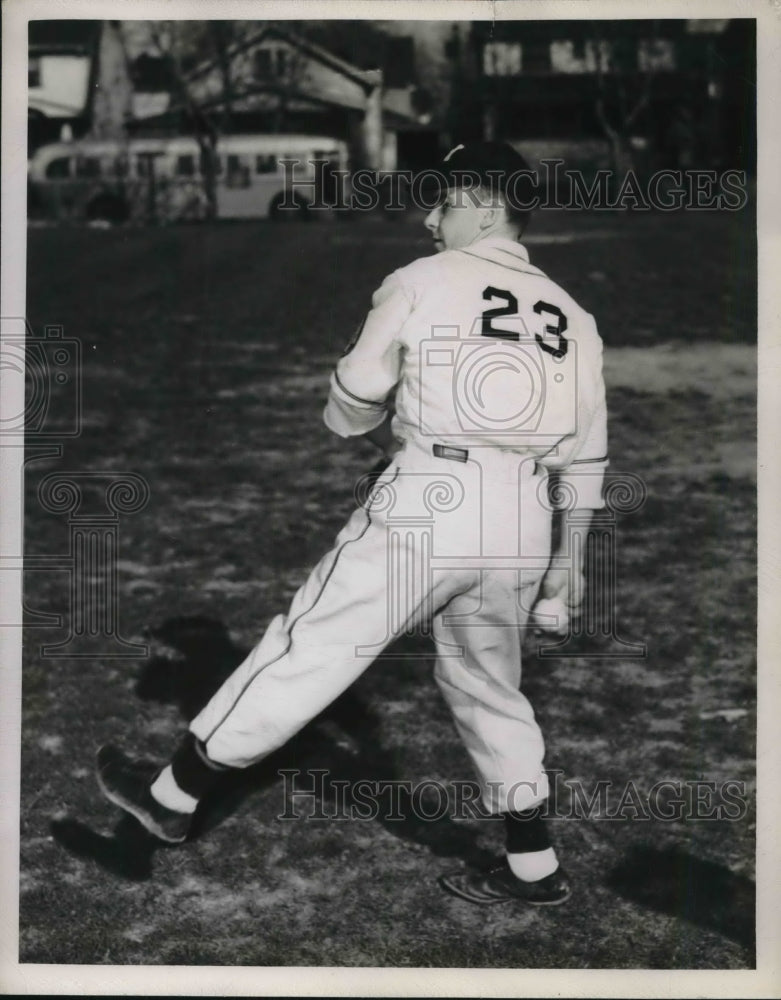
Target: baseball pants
(462, 544)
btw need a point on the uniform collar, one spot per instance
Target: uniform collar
(502, 250)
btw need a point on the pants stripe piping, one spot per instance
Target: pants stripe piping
(286, 650)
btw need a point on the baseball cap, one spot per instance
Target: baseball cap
(496, 166)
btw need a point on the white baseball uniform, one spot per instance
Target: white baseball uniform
(495, 374)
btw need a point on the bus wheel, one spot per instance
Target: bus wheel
(292, 214)
(107, 208)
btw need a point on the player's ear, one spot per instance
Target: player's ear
(490, 215)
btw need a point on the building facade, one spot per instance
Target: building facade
(675, 93)
(62, 61)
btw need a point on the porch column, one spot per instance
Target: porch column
(372, 122)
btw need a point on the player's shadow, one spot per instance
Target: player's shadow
(191, 657)
(127, 852)
(672, 881)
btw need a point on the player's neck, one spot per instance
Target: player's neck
(501, 231)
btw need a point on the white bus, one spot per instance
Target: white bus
(161, 178)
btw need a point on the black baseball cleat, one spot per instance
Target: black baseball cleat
(499, 885)
(127, 783)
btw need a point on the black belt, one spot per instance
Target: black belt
(454, 454)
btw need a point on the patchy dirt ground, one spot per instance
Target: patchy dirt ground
(206, 357)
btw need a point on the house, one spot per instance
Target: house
(273, 80)
(112, 78)
(61, 67)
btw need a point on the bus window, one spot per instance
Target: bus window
(266, 164)
(238, 173)
(298, 163)
(121, 166)
(59, 168)
(330, 156)
(185, 165)
(88, 166)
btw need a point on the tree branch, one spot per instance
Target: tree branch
(604, 122)
(205, 130)
(645, 94)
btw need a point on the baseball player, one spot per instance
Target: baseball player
(476, 375)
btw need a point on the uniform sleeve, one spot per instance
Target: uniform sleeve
(362, 384)
(583, 458)
(583, 478)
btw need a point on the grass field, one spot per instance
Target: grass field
(206, 354)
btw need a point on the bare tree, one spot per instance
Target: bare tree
(222, 34)
(624, 73)
(288, 84)
(179, 43)
(111, 106)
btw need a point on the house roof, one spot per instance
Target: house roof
(364, 77)
(394, 117)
